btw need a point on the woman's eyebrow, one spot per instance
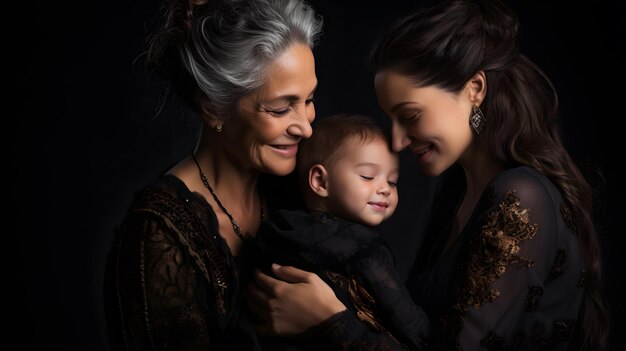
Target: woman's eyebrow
(290, 98)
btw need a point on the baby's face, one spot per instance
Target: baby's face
(362, 183)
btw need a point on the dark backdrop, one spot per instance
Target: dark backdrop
(83, 136)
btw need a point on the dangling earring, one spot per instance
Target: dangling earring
(218, 128)
(477, 119)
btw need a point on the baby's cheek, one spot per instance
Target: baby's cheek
(395, 201)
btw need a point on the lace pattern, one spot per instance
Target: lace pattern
(496, 248)
(191, 235)
(170, 281)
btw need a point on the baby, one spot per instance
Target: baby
(348, 175)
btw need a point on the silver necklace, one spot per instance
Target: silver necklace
(205, 181)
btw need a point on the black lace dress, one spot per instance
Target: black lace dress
(514, 278)
(171, 282)
(355, 261)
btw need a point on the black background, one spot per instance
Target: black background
(79, 116)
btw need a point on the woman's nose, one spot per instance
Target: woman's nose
(301, 126)
(399, 139)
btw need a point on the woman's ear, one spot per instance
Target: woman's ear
(318, 180)
(205, 112)
(478, 87)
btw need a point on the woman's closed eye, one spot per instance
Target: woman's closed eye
(408, 118)
(279, 112)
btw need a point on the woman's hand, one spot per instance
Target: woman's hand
(293, 303)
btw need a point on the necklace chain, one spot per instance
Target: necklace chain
(234, 223)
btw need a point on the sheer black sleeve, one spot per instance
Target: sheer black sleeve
(386, 318)
(156, 288)
(506, 298)
(394, 306)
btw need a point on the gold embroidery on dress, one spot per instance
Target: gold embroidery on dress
(491, 252)
(361, 299)
(336, 278)
(364, 303)
(568, 218)
(558, 265)
(532, 299)
(496, 248)
(494, 342)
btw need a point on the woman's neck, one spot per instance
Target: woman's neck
(232, 184)
(235, 184)
(479, 170)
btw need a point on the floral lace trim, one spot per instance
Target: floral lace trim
(496, 248)
(192, 236)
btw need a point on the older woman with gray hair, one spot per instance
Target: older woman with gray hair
(173, 275)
